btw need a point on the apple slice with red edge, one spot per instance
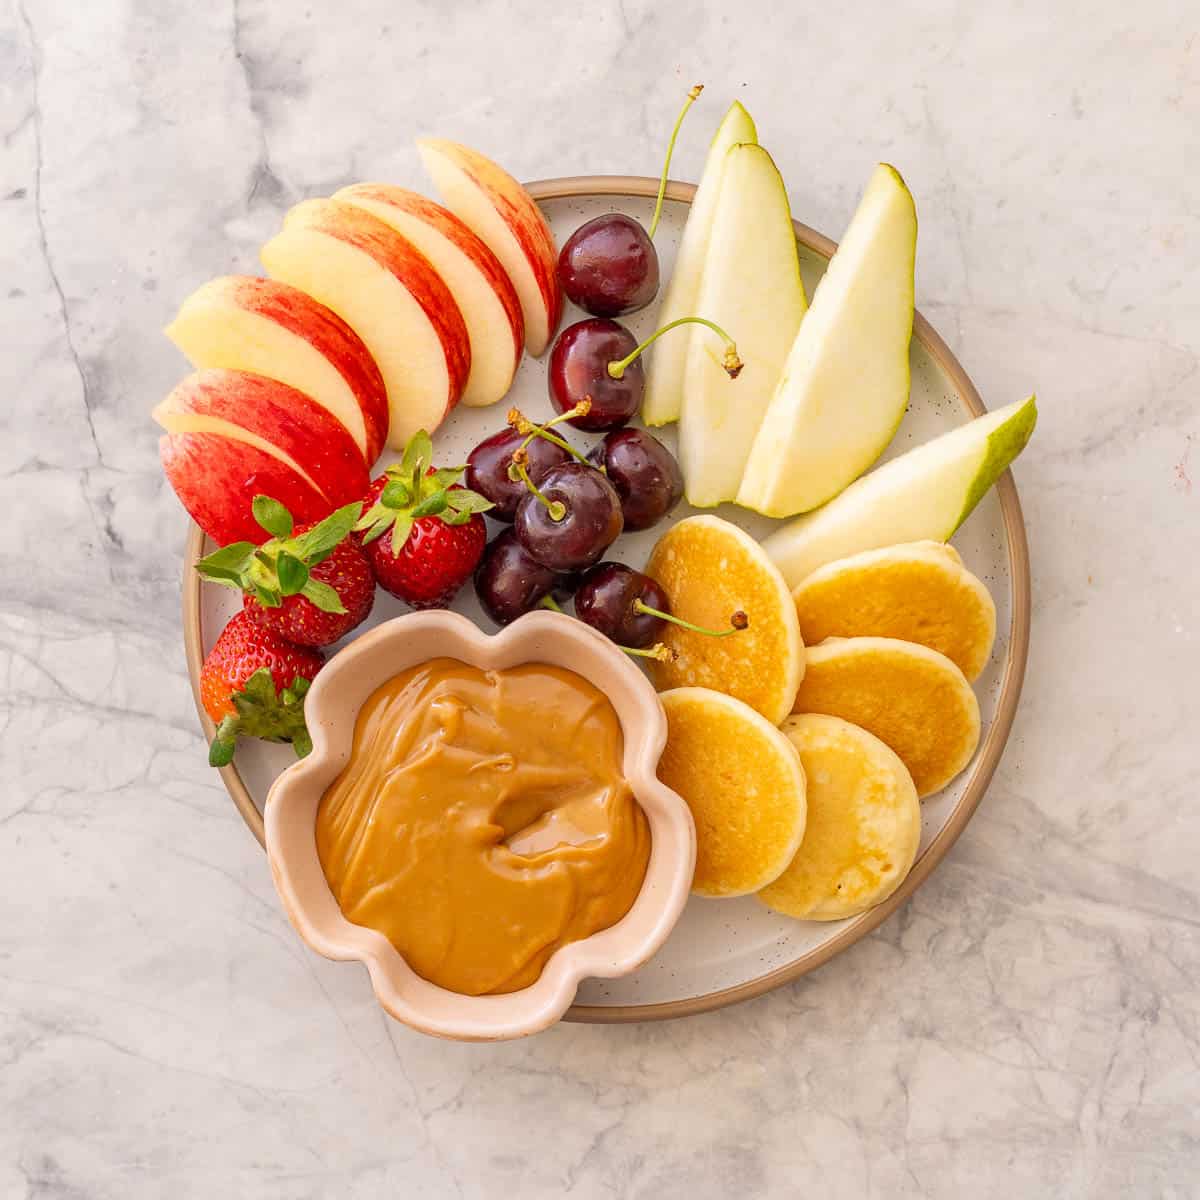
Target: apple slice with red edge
(390, 294)
(506, 217)
(217, 477)
(262, 325)
(266, 416)
(480, 286)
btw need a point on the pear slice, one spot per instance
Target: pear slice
(845, 385)
(926, 493)
(664, 381)
(752, 288)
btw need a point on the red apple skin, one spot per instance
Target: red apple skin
(303, 316)
(301, 428)
(443, 220)
(395, 253)
(217, 478)
(520, 213)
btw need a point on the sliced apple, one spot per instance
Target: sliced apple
(506, 217)
(664, 380)
(926, 493)
(261, 325)
(216, 478)
(275, 419)
(752, 288)
(389, 293)
(480, 286)
(845, 386)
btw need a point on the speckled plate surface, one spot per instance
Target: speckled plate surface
(721, 951)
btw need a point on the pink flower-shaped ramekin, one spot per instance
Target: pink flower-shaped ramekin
(332, 707)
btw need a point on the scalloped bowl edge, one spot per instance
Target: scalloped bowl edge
(332, 707)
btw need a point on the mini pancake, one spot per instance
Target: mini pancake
(743, 781)
(913, 699)
(710, 570)
(864, 823)
(918, 592)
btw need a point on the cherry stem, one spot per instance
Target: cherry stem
(658, 652)
(522, 424)
(550, 603)
(737, 621)
(556, 508)
(692, 97)
(732, 363)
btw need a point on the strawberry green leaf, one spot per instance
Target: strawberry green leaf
(231, 558)
(293, 574)
(220, 753)
(317, 543)
(455, 518)
(400, 531)
(418, 455)
(373, 515)
(263, 714)
(259, 688)
(323, 596)
(221, 575)
(376, 530)
(444, 477)
(266, 596)
(432, 505)
(272, 516)
(395, 494)
(464, 500)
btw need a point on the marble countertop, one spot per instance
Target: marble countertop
(1029, 1025)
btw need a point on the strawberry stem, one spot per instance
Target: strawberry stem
(731, 362)
(692, 96)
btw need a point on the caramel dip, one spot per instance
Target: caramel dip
(483, 821)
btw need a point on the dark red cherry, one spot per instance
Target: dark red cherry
(571, 520)
(509, 581)
(609, 266)
(488, 463)
(579, 370)
(607, 597)
(644, 473)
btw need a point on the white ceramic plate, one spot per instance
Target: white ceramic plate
(721, 950)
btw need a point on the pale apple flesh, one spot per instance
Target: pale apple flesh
(846, 382)
(926, 493)
(216, 479)
(261, 325)
(388, 292)
(274, 418)
(663, 400)
(752, 288)
(480, 286)
(503, 214)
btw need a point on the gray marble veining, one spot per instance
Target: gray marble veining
(1028, 1026)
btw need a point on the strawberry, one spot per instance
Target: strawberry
(422, 534)
(310, 585)
(253, 684)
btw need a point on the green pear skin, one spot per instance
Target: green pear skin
(846, 383)
(926, 493)
(751, 288)
(664, 379)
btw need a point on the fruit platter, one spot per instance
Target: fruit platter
(570, 600)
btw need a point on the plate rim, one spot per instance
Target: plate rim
(987, 758)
